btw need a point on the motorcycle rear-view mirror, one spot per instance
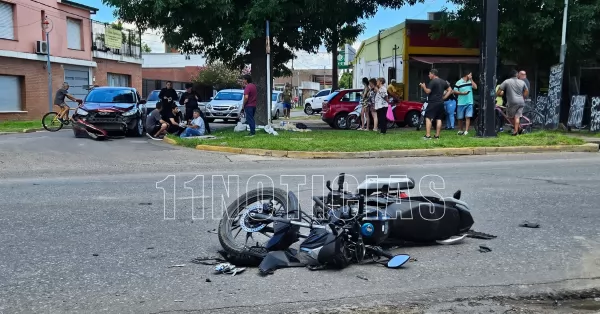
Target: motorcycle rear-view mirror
(397, 261)
(457, 194)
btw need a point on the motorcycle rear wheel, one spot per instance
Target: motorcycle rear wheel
(249, 254)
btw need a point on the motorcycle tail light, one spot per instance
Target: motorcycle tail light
(403, 195)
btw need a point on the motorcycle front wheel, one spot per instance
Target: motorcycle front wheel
(235, 222)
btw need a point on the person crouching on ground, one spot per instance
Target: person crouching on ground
(196, 127)
(155, 125)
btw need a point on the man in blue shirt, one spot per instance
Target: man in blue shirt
(464, 89)
(196, 127)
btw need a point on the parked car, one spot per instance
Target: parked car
(314, 104)
(276, 104)
(113, 109)
(340, 103)
(152, 99)
(226, 105)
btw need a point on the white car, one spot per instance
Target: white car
(227, 105)
(152, 99)
(314, 104)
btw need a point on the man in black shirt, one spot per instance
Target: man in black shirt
(168, 92)
(437, 92)
(189, 99)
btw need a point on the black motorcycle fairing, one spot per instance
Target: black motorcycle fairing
(279, 259)
(423, 222)
(323, 248)
(286, 234)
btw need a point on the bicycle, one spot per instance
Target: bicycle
(57, 119)
(530, 120)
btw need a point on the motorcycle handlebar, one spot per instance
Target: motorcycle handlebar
(319, 202)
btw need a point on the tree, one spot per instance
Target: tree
(529, 31)
(218, 76)
(234, 31)
(146, 48)
(346, 80)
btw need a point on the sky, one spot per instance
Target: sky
(385, 18)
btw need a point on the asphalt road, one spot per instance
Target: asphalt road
(83, 229)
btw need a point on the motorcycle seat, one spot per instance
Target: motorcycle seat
(372, 185)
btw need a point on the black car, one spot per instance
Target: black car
(110, 110)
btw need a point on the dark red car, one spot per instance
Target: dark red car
(338, 106)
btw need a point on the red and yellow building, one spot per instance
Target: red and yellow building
(406, 53)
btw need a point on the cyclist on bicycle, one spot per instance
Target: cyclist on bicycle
(59, 100)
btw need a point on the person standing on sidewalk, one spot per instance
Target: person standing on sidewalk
(249, 105)
(381, 104)
(364, 100)
(436, 93)
(464, 89)
(516, 91)
(450, 108)
(287, 101)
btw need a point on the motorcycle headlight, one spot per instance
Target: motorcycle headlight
(130, 112)
(81, 112)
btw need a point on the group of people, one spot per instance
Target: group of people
(443, 99)
(376, 98)
(166, 118)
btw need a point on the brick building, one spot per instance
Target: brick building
(301, 81)
(77, 55)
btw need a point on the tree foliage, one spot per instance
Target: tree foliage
(346, 80)
(529, 31)
(219, 76)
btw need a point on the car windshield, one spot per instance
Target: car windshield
(330, 96)
(111, 95)
(153, 96)
(229, 96)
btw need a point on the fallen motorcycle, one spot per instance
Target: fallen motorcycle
(345, 227)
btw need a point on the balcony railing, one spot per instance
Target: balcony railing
(130, 40)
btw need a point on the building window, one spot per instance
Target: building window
(74, 34)
(11, 96)
(7, 28)
(119, 80)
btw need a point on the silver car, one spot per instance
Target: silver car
(227, 105)
(152, 99)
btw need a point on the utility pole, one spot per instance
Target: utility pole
(489, 53)
(268, 43)
(395, 64)
(563, 43)
(46, 27)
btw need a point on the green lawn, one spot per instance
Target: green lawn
(353, 141)
(18, 126)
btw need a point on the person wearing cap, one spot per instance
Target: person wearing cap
(249, 102)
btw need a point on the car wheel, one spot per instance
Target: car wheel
(341, 121)
(138, 130)
(412, 118)
(308, 109)
(391, 124)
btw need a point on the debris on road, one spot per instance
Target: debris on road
(208, 260)
(226, 268)
(363, 278)
(95, 254)
(145, 203)
(480, 235)
(484, 249)
(208, 280)
(527, 224)
(172, 266)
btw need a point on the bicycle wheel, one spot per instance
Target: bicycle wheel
(51, 123)
(532, 121)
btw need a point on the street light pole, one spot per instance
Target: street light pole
(46, 27)
(563, 44)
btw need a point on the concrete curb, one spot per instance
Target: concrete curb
(22, 131)
(588, 147)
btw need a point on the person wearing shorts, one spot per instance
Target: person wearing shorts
(464, 90)
(437, 91)
(516, 92)
(59, 100)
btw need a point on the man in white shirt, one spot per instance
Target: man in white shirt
(196, 127)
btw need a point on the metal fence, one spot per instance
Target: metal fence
(131, 41)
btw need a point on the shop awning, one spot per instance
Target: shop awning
(446, 59)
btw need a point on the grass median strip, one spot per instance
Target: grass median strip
(19, 126)
(357, 141)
